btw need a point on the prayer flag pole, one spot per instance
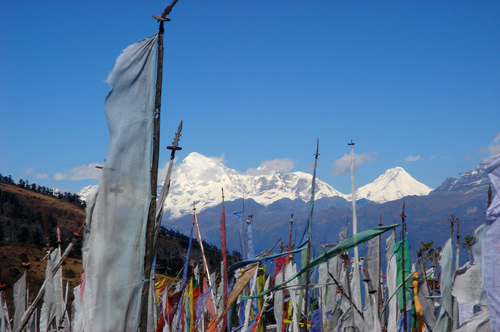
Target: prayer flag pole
(309, 237)
(150, 228)
(356, 290)
(224, 257)
(403, 226)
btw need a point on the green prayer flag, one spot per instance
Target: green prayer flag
(398, 252)
(343, 246)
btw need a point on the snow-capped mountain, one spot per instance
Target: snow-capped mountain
(473, 182)
(86, 191)
(394, 184)
(199, 179)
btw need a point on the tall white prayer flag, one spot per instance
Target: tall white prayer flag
(491, 247)
(114, 243)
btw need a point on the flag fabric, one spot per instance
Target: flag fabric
(398, 252)
(316, 321)
(391, 278)
(278, 303)
(48, 312)
(344, 246)
(115, 232)
(417, 322)
(202, 299)
(423, 297)
(3, 322)
(250, 246)
(58, 286)
(491, 247)
(372, 266)
(19, 300)
(479, 322)
(239, 214)
(444, 322)
(477, 255)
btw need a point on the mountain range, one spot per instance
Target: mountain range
(428, 216)
(199, 179)
(272, 197)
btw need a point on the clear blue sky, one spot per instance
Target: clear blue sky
(415, 84)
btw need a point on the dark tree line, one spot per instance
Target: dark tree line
(67, 196)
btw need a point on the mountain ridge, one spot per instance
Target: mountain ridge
(199, 179)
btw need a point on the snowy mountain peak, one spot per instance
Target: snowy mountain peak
(86, 191)
(199, 179)
(394, 184)
(475, 181)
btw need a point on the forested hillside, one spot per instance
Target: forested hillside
(29, 219)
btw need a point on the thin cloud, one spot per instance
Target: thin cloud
(494, 147)
(221, 159)
(469, 157)
(83, 172)
(278, 165)
(42, 176)
(27, 171)
(343, 165)
(412, 158)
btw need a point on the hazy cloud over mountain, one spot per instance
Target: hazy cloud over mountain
(343, 165)
(278, 165)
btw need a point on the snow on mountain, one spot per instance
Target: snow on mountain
(86, 191)
(473, 182)
(199, 179)
(394, 184)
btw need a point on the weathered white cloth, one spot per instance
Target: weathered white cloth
(19, 300)
(477, 323)
(392, 319)
(467, 284)
(278, 303)
(55, 257)
(491, 248)
(48, 312)
(445, 322)
(423, 296)
(372, 266)
(114, 239)
(3, 321)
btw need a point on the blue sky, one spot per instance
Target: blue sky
(414, 84)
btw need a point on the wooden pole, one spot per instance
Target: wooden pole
(309, 241)
(150, 228)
